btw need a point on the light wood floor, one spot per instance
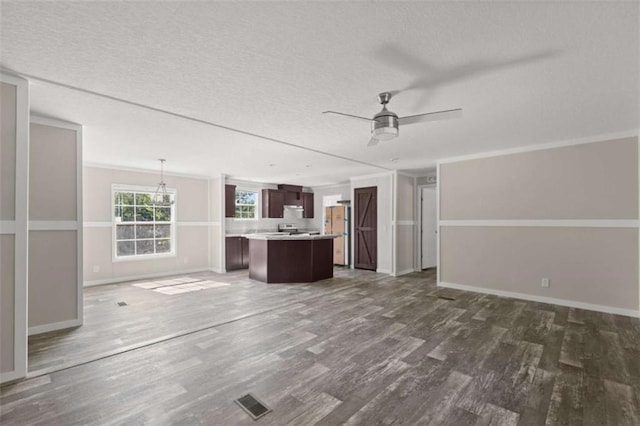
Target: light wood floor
(362, 348)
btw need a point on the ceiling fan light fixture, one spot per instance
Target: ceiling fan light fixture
(385, 133)
(384, 125)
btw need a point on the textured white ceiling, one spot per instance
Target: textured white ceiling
(524, 73)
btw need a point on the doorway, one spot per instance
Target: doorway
(366, 228)
(429, 228)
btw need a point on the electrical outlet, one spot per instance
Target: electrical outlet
(546, 283)
(96, 268)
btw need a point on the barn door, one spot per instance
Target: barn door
(366, 231)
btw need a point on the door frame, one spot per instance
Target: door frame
(419, 189)
(419, 227)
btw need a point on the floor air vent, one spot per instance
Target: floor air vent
(252, 406)
(122, 303)
(446, 297)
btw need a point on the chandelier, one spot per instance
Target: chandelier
(161, 197)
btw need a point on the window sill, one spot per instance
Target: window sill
(144, 257)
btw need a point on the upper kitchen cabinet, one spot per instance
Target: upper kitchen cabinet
(273, 203)
(307, 205)
(229, 201)
(292, 194)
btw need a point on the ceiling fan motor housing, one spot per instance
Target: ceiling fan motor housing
(384, 125)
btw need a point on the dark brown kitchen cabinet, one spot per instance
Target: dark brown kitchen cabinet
(307, 205)
(273, 203)
(245, 253)
(237, 253)
(229, 201)
(292, 194)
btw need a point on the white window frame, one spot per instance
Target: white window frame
(114, 245)
(257, 209)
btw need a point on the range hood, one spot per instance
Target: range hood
(294, 207)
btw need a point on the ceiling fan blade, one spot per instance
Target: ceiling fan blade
(373, 142)
(398, 57)
(431, 116)
(347, 115)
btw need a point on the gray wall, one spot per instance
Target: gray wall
(195, 232)
(54, 250)
(405, 224)
(569, 214)
(14, 145)
(7, 213)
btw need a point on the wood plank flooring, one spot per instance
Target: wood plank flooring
(361, 348)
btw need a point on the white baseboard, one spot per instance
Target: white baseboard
(404, 272)
(383, 271)
(38, 329)
(143, 276)
(542, 299)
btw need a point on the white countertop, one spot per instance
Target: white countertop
(290, 237)
(263, 232)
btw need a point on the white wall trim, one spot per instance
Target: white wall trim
(222, 248)
(438, 226)
(529, 148)
(394, 225)
(119, 280)
(54, 122)
(404, 272)
(38, 329)
(417, 207)
(383, 271)
(80, 219)
(542, 299)
(53, 225)
(209, 221)
(405, 222)
(21, 291)
(143, 188)
(569, 223)
(103, 224)
(194, 223)
(7, 226)
(146, 171)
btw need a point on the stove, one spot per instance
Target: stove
(292, 229)
(287, 227)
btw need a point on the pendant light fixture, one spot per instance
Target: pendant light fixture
(161, 197)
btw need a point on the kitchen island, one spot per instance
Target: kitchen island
(290, 258)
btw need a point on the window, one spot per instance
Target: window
(142, 229)
(246, 205)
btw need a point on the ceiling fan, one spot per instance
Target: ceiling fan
(385, 124)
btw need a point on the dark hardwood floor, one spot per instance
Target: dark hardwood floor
(362, 348)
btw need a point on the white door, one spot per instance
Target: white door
(429, 228)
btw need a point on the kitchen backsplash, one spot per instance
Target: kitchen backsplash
(290, 216)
